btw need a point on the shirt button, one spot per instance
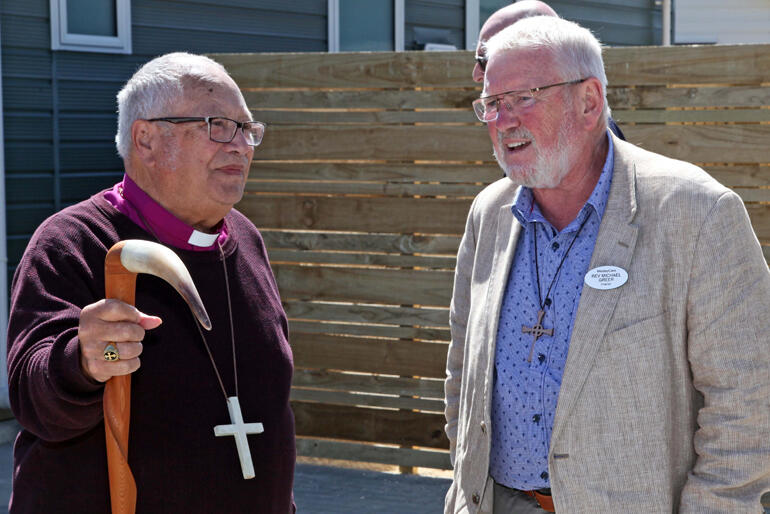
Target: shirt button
(476, 498)
(540, 358)
(536, 418)
(555, 246)
(483, 427)
(544, 475)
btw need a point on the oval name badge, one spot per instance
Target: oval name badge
(606, 277)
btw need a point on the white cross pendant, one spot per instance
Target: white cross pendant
(239, 429)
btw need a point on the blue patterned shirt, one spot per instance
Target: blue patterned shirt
(525, 393)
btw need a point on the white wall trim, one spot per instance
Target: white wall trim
(333, 25)
(471, 24)
(3, 264)
(63, 40)
(399, 17)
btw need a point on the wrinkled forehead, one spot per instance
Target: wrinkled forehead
(211, 90)
(519, 68)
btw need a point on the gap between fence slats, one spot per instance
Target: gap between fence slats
(393, 332)
(366, 400)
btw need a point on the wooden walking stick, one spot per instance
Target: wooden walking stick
(124, 261)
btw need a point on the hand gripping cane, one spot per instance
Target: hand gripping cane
(124, 261)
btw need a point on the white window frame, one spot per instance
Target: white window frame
(63, 40)
(333, 19)
(472, 28)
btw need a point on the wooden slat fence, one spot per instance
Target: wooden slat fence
(361, 189)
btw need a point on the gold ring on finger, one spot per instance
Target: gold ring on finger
(111, 353)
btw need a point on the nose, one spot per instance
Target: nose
(507, 117)
(239, 143)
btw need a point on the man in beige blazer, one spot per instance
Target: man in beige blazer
(664, 394)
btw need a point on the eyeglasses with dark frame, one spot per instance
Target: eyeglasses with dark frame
(487, 108)
(223, 130)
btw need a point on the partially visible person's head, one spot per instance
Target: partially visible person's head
(501, 19)
(182, 165)
(560, 109)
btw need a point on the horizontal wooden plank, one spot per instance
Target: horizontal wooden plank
(362, 259)
(700, 116)
(359, 329)
(362, 242)
(349, 69)
(275, 117)
(399, 98)
(753, 195)
(696, 143)
(740, 175)
(365, 285)
(382, 215)
(366, 400)
(656, 97)
(704, 143)
(357, 313)
(368, 383)
(713, 64)
(324, 449)
(371, 425)
(444, 173)
(760, 220)
(381, 142)
(365, 188)
(405, 358)
(619, 97)
(717, 64)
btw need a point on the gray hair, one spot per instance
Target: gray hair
(156, 86)
(575, 50)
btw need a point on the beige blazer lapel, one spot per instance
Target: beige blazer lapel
(614, 246)
(508, 230)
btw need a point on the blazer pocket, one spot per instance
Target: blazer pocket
(639, 333)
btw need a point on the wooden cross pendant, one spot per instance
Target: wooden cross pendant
(537, 330)
(239, 429)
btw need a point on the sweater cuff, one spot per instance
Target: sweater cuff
(74, 379)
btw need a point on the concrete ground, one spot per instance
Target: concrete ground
(317, 489)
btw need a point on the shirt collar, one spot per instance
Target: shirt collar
(526, 210)
(128, 198)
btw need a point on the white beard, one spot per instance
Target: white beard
(551, 164)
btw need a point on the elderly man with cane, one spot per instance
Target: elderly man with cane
(609, 318)
(186, 138)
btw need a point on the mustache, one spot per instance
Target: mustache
(519, 133)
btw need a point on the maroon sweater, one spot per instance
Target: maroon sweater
(60, 463)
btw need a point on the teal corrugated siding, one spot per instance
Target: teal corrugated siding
(59, 109)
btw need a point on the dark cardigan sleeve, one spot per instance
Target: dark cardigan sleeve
(49, 394)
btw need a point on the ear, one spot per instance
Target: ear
(591, 102)
(144, 141)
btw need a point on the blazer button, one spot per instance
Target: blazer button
(476, 498)
(483, 427)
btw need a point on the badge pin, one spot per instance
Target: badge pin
(606, 277)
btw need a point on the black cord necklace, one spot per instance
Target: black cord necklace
(537, 329)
